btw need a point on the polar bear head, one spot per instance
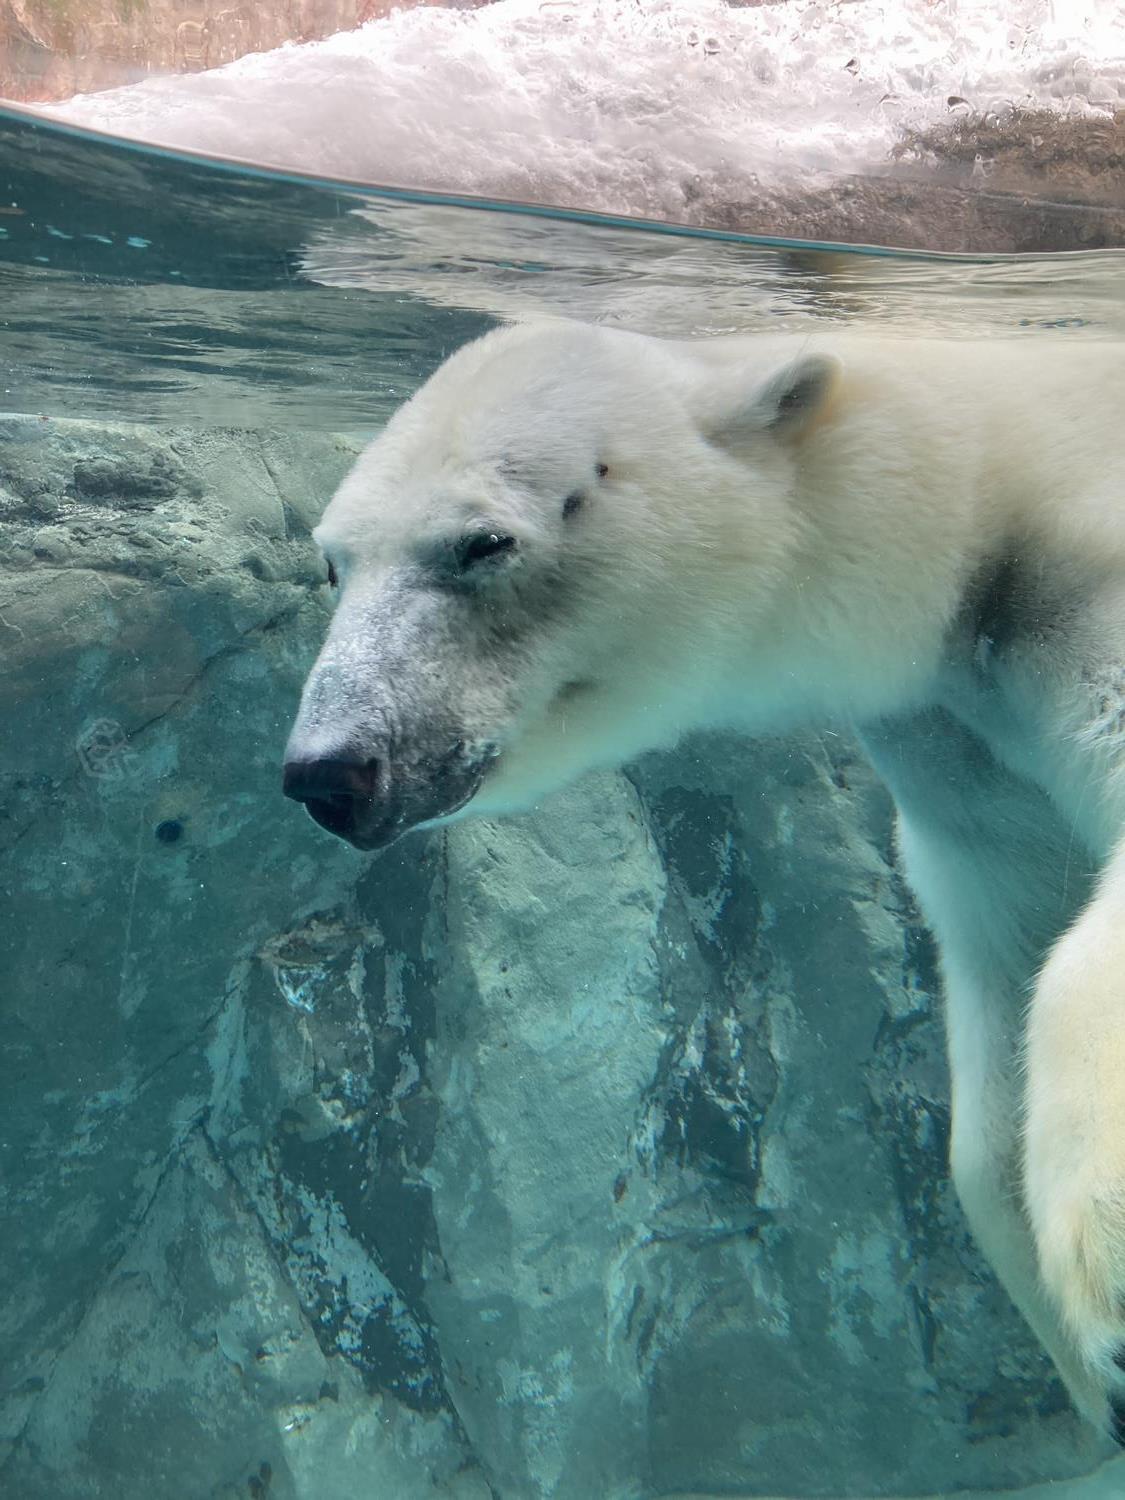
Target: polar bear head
(555, 556)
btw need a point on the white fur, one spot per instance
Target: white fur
(747, 564)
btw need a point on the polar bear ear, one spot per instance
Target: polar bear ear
(785, 404)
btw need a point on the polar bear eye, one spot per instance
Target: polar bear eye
(483, 545)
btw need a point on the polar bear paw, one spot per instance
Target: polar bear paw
(1074, 1168)
(1081, 1243)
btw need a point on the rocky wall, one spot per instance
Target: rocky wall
(593, 1155)
(50, 49)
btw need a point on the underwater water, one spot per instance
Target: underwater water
(597, 1154)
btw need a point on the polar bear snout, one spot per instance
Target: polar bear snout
(370, 803)
(337, 794)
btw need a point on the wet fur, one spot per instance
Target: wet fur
(926, 539)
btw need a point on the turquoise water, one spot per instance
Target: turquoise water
(218, 287)
(596, 1155)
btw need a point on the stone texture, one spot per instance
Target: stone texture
(598, 1153)
(1012, 182)
(50, 49)
(551, 1031)
(142, 912)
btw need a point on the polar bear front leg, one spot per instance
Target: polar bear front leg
(1075, 1132)
(967, 883)
(998, 875)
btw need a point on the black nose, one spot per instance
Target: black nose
(337, 793)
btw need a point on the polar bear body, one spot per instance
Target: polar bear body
(576, 544)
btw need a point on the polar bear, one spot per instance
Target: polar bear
(575, 544)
